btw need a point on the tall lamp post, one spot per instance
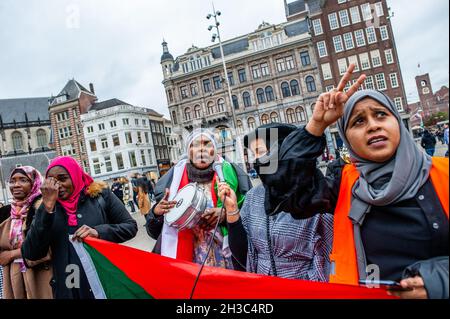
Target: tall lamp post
(215, 36)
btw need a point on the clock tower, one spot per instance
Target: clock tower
(425, 91)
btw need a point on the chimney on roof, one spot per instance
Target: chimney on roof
(91, 88)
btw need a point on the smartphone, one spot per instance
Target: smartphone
(386, 284)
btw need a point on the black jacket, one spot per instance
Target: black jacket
(428, 141)
(111, 220)
(412, 234)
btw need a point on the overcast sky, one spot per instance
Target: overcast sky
(116, 44)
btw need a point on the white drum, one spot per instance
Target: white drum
(191, 203)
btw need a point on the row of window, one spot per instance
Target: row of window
(196, 63)
(171, 141)
(377, 82)
(17, 139)
(297, 115)
(258, 71)
(347, 41)
(162, 153)
(113, 124)
(363, 61)
(265, 95)
(351, 16)
(116, 140)
(119, 161)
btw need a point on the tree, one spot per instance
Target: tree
(436, 117)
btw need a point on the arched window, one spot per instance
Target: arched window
(310, 84)
(41, 138)
(240, 126)
(174, 117)
(235, 102)
(187, 113)
(246, 98)
(274, 118)
(251, 123)
(17, 141)
(260, 96)
(269, 94)
(197, 111)
(290, 116)
(265, 119)
(301, 116)
(295, 88)
(285, 89)
(210, 108)
(221, 105)
(312, 108)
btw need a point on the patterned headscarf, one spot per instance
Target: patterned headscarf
(19, 209)
(80, 181)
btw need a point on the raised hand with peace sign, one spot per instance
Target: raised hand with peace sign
(330, 105)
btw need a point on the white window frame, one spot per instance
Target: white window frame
(394, 80)
(342, 65)
(375, 57)
(317, 26)
(371, 35)
(355, 16)
(337, 40)
(344, 18)
(326, 71)
(380, 79)
(348, 41)
(398, 101)
(389, 56)
(384, 33)
(354, 59)
(364, 57)
(360, 38)
(322, 48)
(366, 11)
(368, 83)
(379, 9)
(333, 20)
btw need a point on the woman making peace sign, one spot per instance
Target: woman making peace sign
(390, 205)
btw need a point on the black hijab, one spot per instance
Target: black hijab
(267, 166)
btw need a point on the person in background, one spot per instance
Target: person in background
(149, 187)
(134, 182)
(117, 189)
(143, 200)
(128, 194)
(428, 142)
(275, 244)
(74, 206)
(446, 138)
(22, 279)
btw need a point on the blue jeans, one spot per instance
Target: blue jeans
(430, 151)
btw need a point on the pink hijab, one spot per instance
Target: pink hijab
(80, 181)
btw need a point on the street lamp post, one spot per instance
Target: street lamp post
(215, 36)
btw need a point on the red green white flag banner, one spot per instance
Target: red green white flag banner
(118, 272)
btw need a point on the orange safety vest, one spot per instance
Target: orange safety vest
(343, 255)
